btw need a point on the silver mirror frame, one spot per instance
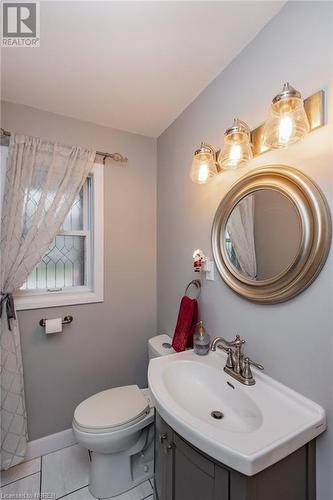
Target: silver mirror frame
(316, 233)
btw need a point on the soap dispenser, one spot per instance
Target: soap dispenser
(201, 340)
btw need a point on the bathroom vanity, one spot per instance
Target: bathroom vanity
(182, 472)
(217, 438)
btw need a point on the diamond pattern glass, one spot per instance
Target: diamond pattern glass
(74, 219)
(62, 266)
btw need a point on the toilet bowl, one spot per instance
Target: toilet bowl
(117, 427)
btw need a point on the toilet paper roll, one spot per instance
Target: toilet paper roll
(53, 325)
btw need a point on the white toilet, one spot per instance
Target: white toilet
(117, 426)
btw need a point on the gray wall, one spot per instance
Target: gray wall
(293, 340)
(107, 342)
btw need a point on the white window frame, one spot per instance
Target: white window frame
(93, 292)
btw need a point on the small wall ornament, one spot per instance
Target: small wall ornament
(203, 263)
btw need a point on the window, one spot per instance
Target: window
(65, 264)
(71, 271)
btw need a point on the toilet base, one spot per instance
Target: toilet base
(113, 474)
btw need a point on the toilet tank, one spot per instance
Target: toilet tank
(160, 345)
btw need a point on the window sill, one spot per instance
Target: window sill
(56, 299)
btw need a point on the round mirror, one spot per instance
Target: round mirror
(271, 234)
(263, 235)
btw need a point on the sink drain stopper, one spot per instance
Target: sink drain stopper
(217, 414)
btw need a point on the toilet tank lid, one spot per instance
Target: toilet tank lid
(111, 408)
(161, 344)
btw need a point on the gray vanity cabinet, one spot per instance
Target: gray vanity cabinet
(195, 477)
(181, 473)
(163, 460)
(184, 473)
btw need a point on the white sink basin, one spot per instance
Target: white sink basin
(197, 388)
(261, 424)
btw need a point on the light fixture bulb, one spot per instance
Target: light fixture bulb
(203, 173)
(286, 129)
(288, 121)
(203, 165)
(235, 152)
(237, 148)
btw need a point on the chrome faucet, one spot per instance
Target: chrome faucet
(237, 365)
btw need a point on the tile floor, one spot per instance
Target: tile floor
(61, 474)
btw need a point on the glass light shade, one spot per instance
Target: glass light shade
(203, 165)
(237, 149)
(288, 122)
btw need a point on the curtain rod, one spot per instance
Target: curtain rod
(114, 156)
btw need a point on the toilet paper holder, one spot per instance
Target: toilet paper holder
(65, 321)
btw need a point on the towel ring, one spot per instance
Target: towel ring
(197, 284)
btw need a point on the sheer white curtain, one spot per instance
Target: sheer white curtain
(41, 182)
(241, 231)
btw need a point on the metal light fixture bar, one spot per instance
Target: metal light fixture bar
(314, 108)
(117, 157)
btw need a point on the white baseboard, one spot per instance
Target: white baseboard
(50, 443)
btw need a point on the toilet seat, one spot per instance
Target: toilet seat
(111, 410)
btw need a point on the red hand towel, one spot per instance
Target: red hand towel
(187, 319)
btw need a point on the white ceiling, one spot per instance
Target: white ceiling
(134, 66)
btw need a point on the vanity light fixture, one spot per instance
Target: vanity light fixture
(204, 164)
(237, 149)
(288, 121)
